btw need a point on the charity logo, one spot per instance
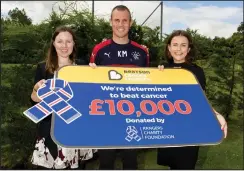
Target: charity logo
(54, 95)
(132, 133)
(114, 75)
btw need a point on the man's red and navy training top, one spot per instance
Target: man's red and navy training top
(110, 53)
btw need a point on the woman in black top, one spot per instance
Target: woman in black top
(179, 52)
(47, 154)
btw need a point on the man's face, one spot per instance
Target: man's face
(121, 23)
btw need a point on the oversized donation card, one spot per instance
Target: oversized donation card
(118, 107)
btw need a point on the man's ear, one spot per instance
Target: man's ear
(110, 21)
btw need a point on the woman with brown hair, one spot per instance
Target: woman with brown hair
(179, 52)
(47, 154)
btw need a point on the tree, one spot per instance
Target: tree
(21, 44)
(202, 44)
(151, 38)
(240, 28)
(19, 16)
(225, 62)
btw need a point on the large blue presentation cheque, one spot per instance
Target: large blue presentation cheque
(115, 107)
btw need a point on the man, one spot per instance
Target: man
(119, 51)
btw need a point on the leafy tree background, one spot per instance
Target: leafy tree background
(24, 44)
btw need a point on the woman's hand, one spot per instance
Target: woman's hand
(34, 96)
(38, 85)
(222, 122)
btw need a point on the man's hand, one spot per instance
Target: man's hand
(161, 67)
(93, 65)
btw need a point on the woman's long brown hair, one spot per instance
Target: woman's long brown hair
(52, 58)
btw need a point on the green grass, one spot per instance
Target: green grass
(227, 155)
